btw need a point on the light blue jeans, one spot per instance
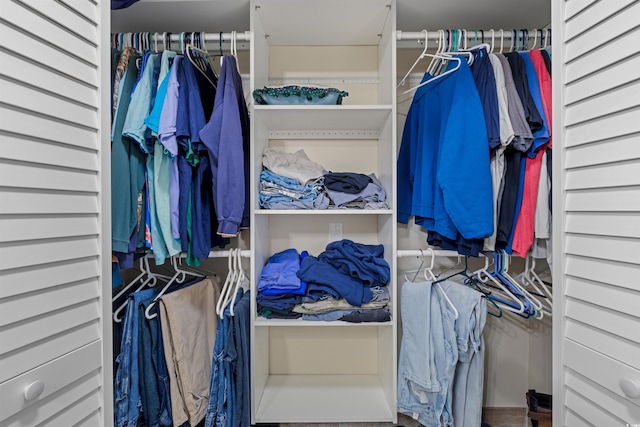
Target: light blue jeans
(428, 355)
(469, 375)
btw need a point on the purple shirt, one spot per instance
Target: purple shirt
(167, 134)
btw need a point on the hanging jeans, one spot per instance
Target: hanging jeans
(428, 355)
(469, 374)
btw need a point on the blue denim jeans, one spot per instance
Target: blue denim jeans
(428, 355)
(469, 374)
(216, 413)
(241, 319)
(128, 402)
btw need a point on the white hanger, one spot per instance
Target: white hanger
(447, 57)
(234, 48)
(427, 275)
(501, 40)
(439, 50)
(228, 283)
(546, 299)
(535, 38)
(235, 278)
(239, 280)
(493, 44)
(422, 55)
(151, 280)
(431, 277)
(547, 35)
(533, 300)
(178, 277)
(530, 277)
(484, 276)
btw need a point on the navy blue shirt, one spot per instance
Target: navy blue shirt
(482, 71)
(522, 87)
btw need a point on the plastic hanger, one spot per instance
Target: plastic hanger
(493, 41)
(431, 277)
(532, 299)
(501, 40)
(441, 44)
(150, 281)
(535, 38)
(428, 275)
(422, 55)
(447, 57)
(233, 282)
(231, 273)
(178, 277)
(239, 281)
(198, 58)
(528, 280)
(512, 303)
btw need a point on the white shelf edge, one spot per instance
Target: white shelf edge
(364, 107)
(296, 323)
(323, 212)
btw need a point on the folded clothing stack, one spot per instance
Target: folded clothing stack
(350, 190)
(348, 281)
(279, 288)
(293, 181)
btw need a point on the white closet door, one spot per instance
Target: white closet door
(596, 78)
(54, 213)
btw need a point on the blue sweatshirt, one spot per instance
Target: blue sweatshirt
(444, 177)
(226, 136)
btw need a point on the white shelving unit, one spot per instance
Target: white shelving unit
(325, 371)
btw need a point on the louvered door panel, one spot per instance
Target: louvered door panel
(53, 214)
(597, 219)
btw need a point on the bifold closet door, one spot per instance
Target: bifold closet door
(54, 213)
(596, 78)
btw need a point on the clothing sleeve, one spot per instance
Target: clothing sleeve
(406, 159)
(464, 174)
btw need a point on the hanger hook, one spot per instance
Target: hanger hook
(535, 38)
(493, 35)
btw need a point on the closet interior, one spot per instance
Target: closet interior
(299, 368)
(57, 205)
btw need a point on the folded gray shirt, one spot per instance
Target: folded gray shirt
(292, 165)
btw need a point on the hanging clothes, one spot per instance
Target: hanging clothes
(444, 157)
(226, 137)
(513, 91)
(163, 198)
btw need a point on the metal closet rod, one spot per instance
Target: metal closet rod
(405, 253)
(472, 34)
(244, 253)
(208, 37)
